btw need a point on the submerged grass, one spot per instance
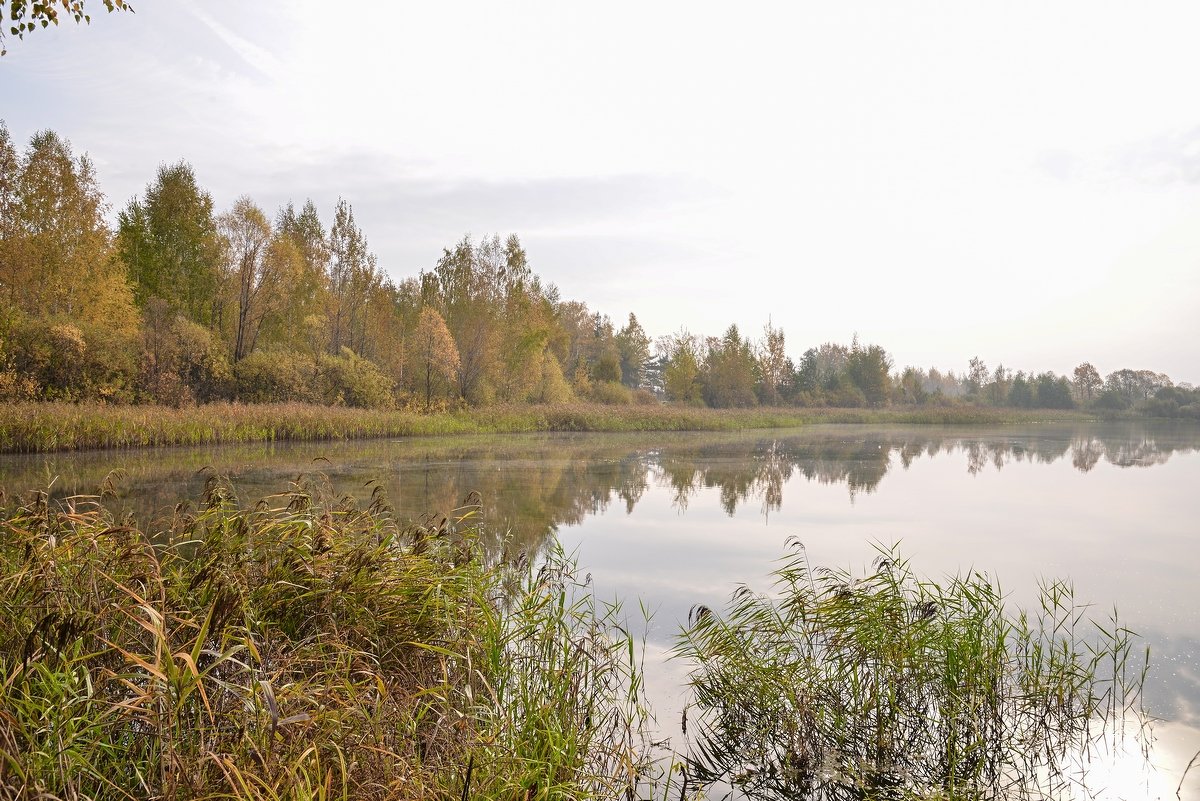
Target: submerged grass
(45, 427)
(305, 649)
(888, 686)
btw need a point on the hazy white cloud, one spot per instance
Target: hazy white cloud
(1016, 182)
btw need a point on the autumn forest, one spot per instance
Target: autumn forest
(184, 304)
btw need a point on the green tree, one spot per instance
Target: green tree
(467, 296)
(729, 371)
(307, 292)
(633, 346)
(868, 369)
(1020, 392)
(1053, 392)
(56, 256)
(911, 388)
(681, 376)
(171, 247)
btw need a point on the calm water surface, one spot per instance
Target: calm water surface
(681, 519)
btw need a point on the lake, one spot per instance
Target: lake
(680, 519)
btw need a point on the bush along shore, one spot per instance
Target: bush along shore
(305, 649)
(45, 427)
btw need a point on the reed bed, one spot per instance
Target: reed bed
(889, 686)
(46, 427)
(305, 649)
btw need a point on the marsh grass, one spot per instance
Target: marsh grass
(890, 686)
(306, 649)
(46, 427)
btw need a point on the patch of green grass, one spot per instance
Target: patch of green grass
(306, 649)
(45, 427)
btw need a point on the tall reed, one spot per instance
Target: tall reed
(304, 649)
(889, 686)
(46, 427)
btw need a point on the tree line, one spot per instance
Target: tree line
(181, 303)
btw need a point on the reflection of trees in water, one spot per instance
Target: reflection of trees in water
(759, 468)
(532, 486)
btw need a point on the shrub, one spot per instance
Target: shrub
(273, 377)
(70, 361)
(611, 393)
(350, 380)
(644, 397)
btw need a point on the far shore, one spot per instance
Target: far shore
(47, 427)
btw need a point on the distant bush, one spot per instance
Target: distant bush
(63, 360)
(611, 393)
(1112, 400)
(275, 377)
(644, 397)
(552, 386)
(351, 380)
(279, 376)
(182, 362)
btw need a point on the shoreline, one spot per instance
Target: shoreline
(57, 427)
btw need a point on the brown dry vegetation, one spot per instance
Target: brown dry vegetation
(306, 649)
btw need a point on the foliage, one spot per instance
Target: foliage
(276, 377)
(729, 369)
(633, 346)
(867, 368)
(433, 351)
(63, 360)
(296, 288)
(350, 380)
(26, 16)
(774, 367)
(611, 393)
(891, 686)
(681, 377)
(170, 243)
(304, 649)
(182, 361)
(257, 269)
(283, 376)
(56, 255)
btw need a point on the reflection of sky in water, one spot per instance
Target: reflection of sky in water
(679, 519)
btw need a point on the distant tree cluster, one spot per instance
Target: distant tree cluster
(186, 304)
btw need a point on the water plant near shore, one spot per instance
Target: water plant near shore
(889, 686)
(306, 648)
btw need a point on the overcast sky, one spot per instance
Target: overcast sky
(1017, 181)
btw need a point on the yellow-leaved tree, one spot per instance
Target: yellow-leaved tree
(432, 350)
